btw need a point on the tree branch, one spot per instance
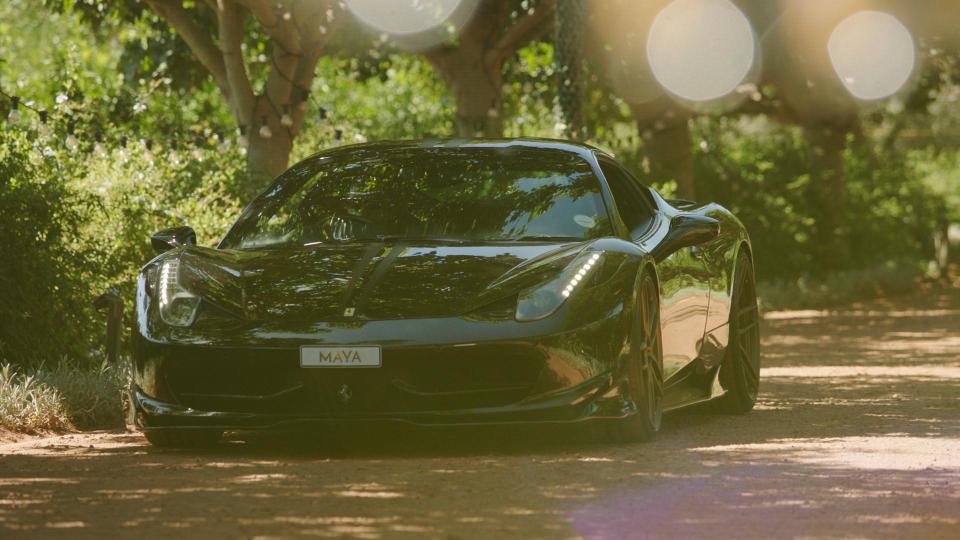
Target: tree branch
(283, 31)
(199, 41)
(526, 29)
(438, 57)
(775, 109)
(281, 85)
(308, 17)
(303, 79)
(230, 20)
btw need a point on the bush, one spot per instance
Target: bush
(80, 223)
(760, 171)
(42, 292)
(138, 193)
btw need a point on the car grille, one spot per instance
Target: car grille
(409, 380)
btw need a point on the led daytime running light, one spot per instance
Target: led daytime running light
(580, 274)
(177, 305)
(169, 279)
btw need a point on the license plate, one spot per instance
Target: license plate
(340, 357)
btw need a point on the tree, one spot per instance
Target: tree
(664, 128)
(617, 44)
(297, 34)
(568, 44)
(473, 66)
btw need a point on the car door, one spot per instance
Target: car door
(684, 281)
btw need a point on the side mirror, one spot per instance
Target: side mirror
(175, 237)
(686, 230)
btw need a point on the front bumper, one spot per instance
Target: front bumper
(464, 372)
(596, 399)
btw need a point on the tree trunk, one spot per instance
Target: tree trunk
(268, 157)
(568, 46)
(670, 152)
(473, 67)
(827, 143)
(477, 91)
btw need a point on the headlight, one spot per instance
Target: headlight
(543, 300)
(177, 306)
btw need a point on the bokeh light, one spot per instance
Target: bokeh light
(700, 50)
(413, 24)
(873, 54)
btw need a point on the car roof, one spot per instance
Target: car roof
(581, 149)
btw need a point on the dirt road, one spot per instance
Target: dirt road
(856, 435)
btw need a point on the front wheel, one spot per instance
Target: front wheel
(740, 371)
(644, 369)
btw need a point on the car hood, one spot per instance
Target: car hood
(370, 281)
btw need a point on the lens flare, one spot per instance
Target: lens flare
(413, 24)
(873, 54)
(700, 50)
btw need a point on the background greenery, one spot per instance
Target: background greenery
(156, 147)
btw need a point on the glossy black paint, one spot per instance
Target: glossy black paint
(686, 231)
(173, 237)
(443, 316)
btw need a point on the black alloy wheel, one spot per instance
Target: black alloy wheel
(740, 371)
(644, 371)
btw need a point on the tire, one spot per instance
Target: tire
(740, 370)
(644, 369)
(183, 438)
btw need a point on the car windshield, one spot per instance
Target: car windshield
(438, 194)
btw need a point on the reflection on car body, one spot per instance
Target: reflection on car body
(497, 281)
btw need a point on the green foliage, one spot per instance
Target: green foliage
(528, 93)
(938, 170)
(137, 196)
(79, 219)
(80, 223)
(760, 171)
(42, 290)
(892, 212)
(399, 97)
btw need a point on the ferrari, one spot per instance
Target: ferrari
(447, 282)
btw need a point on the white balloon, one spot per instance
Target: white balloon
(873, 54)
(700, 50)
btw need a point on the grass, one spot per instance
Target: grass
(63, 397)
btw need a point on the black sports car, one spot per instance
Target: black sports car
(447, 282)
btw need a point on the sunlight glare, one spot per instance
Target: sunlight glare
(873, 54)
(415, 24)
(700, 50)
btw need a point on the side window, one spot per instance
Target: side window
(633, 208)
